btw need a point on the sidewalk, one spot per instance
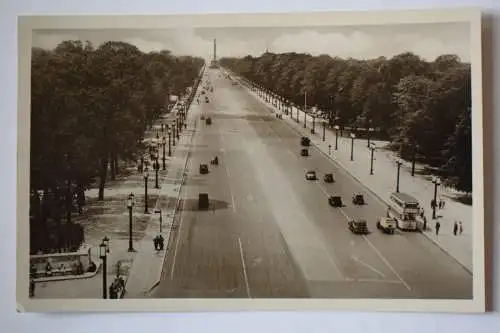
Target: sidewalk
(110, 218)
(383, 182)
(147, 268)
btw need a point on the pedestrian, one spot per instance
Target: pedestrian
(460, 228)
(433, 204)
(155, 242)
(438, 225)
(442, 204)
(425, 222)
(455, 228)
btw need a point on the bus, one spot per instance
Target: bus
(405, 210)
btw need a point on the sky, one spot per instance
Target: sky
(361, 42)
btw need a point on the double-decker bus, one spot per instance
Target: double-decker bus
(404, 209)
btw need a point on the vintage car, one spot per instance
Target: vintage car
(208, 121)
(358, 199)
(304, 152)
(305, 141)
(203, 201)
(328, 178)
(311, 175)
(386, 224)
(335, 201)
(203, 169)
(358, 226)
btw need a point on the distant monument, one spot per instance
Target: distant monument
(214, 63)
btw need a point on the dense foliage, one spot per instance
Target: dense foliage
(89, 110)
(423, 107)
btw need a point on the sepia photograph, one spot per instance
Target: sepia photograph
(291, 158)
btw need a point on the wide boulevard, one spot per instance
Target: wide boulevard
(271, 233)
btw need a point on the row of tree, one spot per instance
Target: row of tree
(90, 108)
(423, 107)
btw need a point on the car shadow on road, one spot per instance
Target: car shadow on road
(191, 204)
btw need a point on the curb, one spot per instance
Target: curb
(341, 165)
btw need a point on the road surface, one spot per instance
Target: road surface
(269, 233)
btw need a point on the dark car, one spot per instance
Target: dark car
(358, 226)
(328, 178)
(311, 175)
(305, 141)
(358, 199)
(203, 169)
(208, 121)
(335, 201)
(203, 201)
(304, 152)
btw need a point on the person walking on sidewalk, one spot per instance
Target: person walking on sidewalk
(438, 226)
(455, 228)
(460, 228)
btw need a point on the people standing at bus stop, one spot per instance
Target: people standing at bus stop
(438, 225)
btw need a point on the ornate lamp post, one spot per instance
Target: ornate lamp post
(163, 142)
(398, 163)
(337, 137)
(436, 183)
(372, 149)
(103, 255)
(353, 136)
(130, 206)
(146, 176)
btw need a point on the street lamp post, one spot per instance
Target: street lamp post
(352, 146)
(130, 205)
(178, 127)
(314, 125)
(336, 137)
(370, 130)
(163, 142)
(414, 156)
(146, 176)
(157, 169)
(372, 148)
(397, 177)
(324, 127)
(169, 141)
(173, 135)
(436, 183)
(103, 254)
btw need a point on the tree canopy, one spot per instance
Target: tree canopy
(90, 107)
(417, 104)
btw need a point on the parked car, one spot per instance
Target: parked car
(203, 169)
(358, 199)
(328, 178)
(305, 141)
(304, 152)
(335, 201)
(358, 226)
(311, 175)
(386, 224)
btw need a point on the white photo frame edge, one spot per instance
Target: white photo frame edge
(26, 24)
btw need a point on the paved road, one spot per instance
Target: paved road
(270, 233)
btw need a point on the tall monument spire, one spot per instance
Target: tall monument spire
(215, 49)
